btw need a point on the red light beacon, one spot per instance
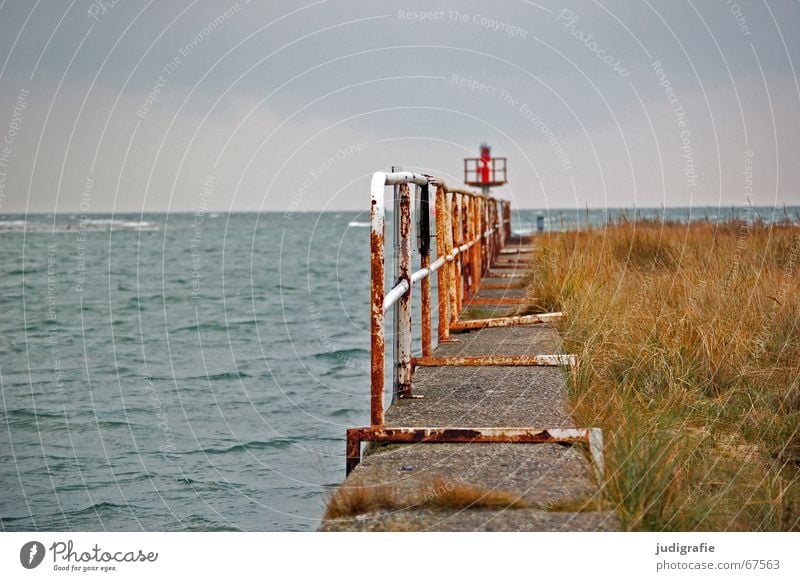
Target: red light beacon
(485, 172)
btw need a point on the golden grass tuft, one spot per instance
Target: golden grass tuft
(439, 494)
(442, 494)
(689, 343)
(349, 501)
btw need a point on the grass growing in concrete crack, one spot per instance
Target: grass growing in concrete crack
(688, 338)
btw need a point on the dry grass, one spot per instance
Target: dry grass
(349, 501)
(689, 343)
(588, 504)
(440, 494)
(446, 495)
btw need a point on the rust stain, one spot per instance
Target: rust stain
(506, 321)
(458, 435)
(493, 274)
(404, 304)
(376, 327)
(443, 273)
(483, 361)
(500, 286)
(479, 301)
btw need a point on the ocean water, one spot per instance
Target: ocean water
(190, 372)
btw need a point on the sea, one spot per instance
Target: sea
(195, 372)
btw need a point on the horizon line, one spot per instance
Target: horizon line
(527, 208)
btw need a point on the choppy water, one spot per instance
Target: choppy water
(174, 372)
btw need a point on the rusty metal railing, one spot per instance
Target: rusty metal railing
(471, 232)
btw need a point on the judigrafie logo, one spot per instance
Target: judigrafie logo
(31, 554)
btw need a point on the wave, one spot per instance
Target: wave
(343, 355)
(115, 222)
(216, 326)
(114, 424)
(100, 507)
(28, 414)
(216, 484)
(355, 224)
(344, 412)
(276, 444)
(138, 224)
(200, 523)
(119, 479)
(222, 375)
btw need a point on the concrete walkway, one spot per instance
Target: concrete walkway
(554, 480)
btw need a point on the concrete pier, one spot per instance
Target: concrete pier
(554, 482)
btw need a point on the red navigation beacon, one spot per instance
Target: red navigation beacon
(485, 171)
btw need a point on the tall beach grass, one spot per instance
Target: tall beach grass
(688, 338)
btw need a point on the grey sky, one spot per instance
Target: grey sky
(291, 105)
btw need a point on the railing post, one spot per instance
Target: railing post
(475, 256)
(466, 267)
(494, 237)
(404, 304)
(497, 225)
(490, 240)
(425, 262)
(464, 239)
(376, 215)
(485, 260)
(482, 202)
(450, 200)
(442, 274)
(457, 241)
(499, 228)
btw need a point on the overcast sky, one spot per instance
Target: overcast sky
(130, 105)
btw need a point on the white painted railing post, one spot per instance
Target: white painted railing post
(404, 304)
